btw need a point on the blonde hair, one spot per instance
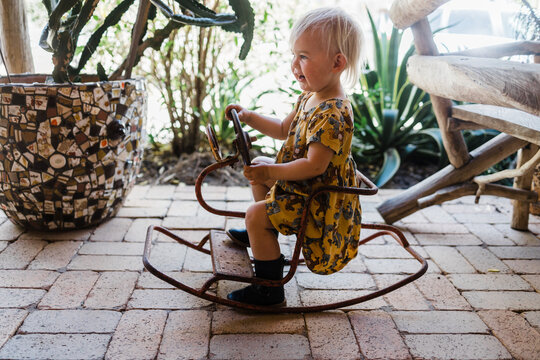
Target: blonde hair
(341, 33)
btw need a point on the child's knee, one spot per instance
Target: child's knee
(255, 214)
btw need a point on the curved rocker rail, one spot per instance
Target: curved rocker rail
(204, 294)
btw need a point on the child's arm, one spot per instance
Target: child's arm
(316, 163)
(267, 125)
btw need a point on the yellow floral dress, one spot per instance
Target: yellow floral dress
(333, 228)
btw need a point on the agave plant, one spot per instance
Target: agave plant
(67, 18)
(393, 118)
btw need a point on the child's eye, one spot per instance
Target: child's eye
(303, 57)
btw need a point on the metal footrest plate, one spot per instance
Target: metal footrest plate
(229, 258)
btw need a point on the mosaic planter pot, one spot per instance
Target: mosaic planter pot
(69, 154)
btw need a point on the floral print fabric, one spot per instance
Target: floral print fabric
(333, 228)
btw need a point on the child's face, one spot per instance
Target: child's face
(312, 66)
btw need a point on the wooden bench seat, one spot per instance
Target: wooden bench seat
(513, 122)
(478, 80)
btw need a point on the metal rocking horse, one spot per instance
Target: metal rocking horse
(232, 262)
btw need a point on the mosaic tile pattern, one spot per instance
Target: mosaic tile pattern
(61, 165)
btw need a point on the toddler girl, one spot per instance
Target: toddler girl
(316, 152)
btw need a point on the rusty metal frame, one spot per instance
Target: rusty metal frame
(203, 292)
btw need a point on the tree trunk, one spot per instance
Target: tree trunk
(14, 37)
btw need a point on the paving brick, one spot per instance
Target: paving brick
(524, 266)
(144, 203)
(38, 279)
(10, 231)
(238, 193)
(356, 265)
(160, 192)
(20, 253)
(19, 298)
(488, 234)
(56, 255)
(491, 218)
(455, 346)
(488, 282)
(447, 239)
(193, 236)
(197, 261)
(69, 291)
(438, 215)
(522, 340)
(106, 263)
(407, 297)
(3, 245)
(253, 346)
(414, 218)
(149, 281)
(377, 335)
(516, 252)
(168, 256)
(437, 228)
(372, 217)
(395, 266)
(137, 336)
(518, 237)
(112, 290)
(384, 251)
(331, 336)
(533, 317)
(235, 322)
(112, 230)
(142, 212)
(56, 346)
(322, 297)
(138, 192)
(199, 222)
(511, 300)
(183, 208)
(441, 293)
(165, 299)
(139, 227)
(238, 206)
(438, 322)
(111, 248)
(449, 259)
(10, 320)
(339, 281)
(182, 340)
(468, 207)
(74, 235)
(482, 259)
(70, 321)
(534, 280)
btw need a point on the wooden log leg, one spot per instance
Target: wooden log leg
(520, 213)
(483, 157)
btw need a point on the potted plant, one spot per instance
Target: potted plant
(71, 146)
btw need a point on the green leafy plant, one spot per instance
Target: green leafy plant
(67, 18)
(393, 118)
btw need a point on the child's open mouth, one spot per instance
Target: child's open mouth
(301, 78)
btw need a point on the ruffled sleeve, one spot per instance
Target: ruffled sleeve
(327, 127)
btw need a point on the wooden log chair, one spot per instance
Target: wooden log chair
(504, 95)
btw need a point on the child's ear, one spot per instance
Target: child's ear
(340, 61)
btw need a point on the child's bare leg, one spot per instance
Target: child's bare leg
(263, 240)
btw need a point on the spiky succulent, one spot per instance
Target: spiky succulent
(67, 19)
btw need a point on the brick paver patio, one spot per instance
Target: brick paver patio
(84, 294)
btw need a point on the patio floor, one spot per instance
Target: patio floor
(85, 295)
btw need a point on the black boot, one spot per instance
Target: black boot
(263, 295)
(240, 236)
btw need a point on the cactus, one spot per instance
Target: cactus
(67, 18)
